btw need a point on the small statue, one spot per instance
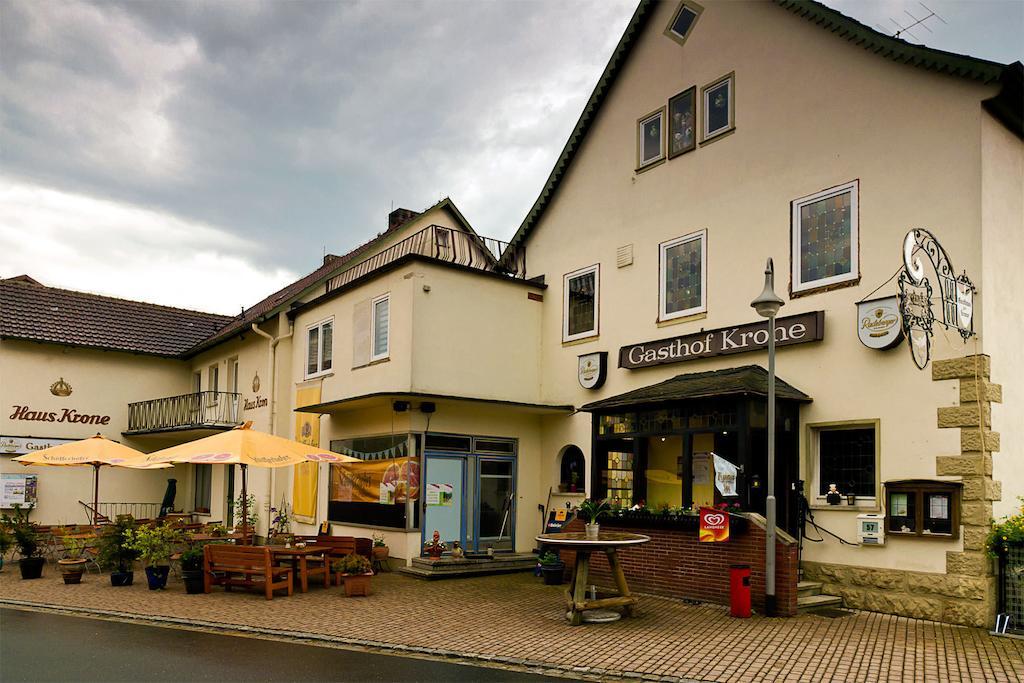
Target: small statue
(833, 497)
(435, 546)
(457, 552)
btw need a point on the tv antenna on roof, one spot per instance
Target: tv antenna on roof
(916, 22)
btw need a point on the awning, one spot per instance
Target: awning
(749, 380)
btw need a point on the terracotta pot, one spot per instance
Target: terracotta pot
(72, 570)
(380, 552)
(357, 584)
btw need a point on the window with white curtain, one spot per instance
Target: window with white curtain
(379, 335)
(319, 347)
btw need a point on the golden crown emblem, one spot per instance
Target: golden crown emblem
(879, 312)
(60, 388)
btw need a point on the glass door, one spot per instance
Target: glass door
(444, 498)
(495, 508)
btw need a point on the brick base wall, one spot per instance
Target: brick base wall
(675, 564)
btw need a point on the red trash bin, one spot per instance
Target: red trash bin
(739, 590)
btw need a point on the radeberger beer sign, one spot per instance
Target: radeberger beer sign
(793, 329)
(878, 323)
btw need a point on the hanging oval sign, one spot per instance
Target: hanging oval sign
(878, 323)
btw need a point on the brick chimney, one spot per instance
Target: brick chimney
(400, 217)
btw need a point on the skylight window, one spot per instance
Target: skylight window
(683, 20)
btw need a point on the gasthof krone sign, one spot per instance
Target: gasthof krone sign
(794, 329)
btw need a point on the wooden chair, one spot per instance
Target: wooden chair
(339, 545)
(233, 565)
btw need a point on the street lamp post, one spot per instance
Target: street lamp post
(767, 305)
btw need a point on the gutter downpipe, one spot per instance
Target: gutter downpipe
(273, 341)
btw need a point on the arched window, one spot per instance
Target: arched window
(572, 469)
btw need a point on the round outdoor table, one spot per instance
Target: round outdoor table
(609, 542)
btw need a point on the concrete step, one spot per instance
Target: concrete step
(810, 603)
(447, 568)
(808, 588)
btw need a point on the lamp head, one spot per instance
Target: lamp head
(768, 303)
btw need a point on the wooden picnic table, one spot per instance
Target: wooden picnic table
(609, 542)
(298, 557)
(202, 537)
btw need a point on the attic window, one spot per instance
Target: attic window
(683, 20)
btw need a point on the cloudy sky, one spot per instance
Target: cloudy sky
(203, 154)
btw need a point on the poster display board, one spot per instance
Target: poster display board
(18, 489)
(375, 481)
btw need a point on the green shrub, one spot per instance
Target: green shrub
(154, 544)
(1010, 531)
(23, 532)
(353, 564)
(115, 554)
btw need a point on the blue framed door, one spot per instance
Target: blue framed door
(444, 498)
(495, 503)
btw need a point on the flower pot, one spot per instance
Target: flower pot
(553, 573)
(157, 577)
(193, 579)
(71, 570)
(592, 531)
(122, 578)
(31, 567)
(380, 552)
(357, 584)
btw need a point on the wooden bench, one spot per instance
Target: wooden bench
(238, 565)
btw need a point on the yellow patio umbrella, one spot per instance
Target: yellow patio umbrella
(245, 446)
(96, 451)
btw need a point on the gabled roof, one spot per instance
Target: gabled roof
(33, 312)
(829, 19)
(749, 380)
(283, 298)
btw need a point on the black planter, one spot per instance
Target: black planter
(553, 573)
(31, 567)
(157, 577)
(193, 579)
(122, 578)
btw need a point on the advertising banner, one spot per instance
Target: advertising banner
(17, 489)
(714, 525)
(305, 475)
(375, 481)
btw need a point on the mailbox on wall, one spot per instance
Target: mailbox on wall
(871, 529)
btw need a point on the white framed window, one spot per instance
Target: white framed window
(825, 240)
(380, 319)
(320, 348)
(683, 276)
(581, 291)
(719, 105)
(845, 454)
(683, 20)
(650, 141)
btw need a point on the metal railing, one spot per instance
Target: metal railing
(188, 411)
(1011, 586)
(110, 511)
(444, 244)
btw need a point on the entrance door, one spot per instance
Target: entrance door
(444, 492)
(495, 508)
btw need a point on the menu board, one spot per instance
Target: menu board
(17, 489)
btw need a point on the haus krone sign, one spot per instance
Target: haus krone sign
(793, 329)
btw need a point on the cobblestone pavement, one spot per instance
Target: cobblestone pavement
(516, 620)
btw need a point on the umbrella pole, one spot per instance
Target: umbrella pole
(95, 492)
(245, 508)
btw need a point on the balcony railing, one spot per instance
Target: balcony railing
(198, 410)
(444, 244)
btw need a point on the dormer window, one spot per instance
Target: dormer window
(683, 21)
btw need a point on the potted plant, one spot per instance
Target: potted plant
(280, 524)
(192, 569)
(26, 539)
(6, 541)
(356, 571)
(590, 511)
(72, 565)
(252, 518)
(574, 480)
(434, 547)
(115, 555)
(551, 567)
(155, 545)
(380, 548)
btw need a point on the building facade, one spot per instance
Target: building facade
(610, 349)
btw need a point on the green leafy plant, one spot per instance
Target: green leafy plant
(353, 564)
(115, 554)
(6, 541)
(249, 502)
(378, 541)
(549, 558)
(1009, 531)
(192, 558)
(23, 532)
(591, 510)
(74, 547)
(154, 544)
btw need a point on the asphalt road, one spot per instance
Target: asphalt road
(37, 646)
